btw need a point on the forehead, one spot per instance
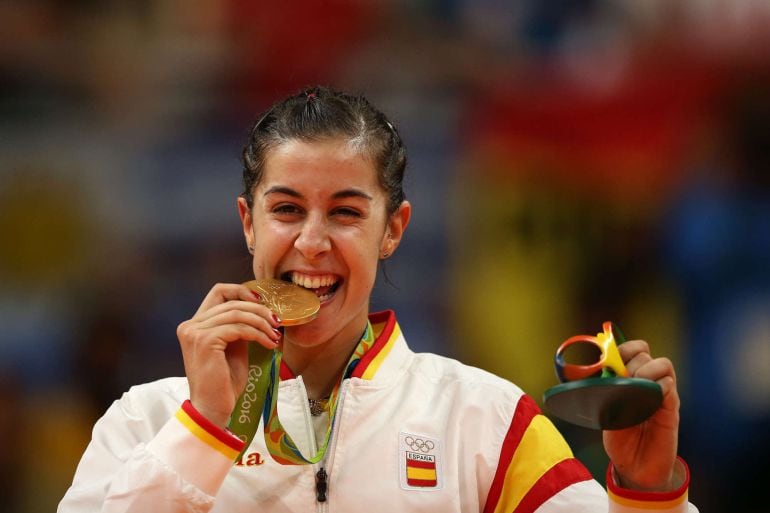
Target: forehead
(335, 163)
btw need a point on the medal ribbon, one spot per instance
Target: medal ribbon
(261, 396)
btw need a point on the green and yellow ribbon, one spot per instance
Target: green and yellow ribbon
(260, 396)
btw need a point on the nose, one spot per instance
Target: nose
(313, 238)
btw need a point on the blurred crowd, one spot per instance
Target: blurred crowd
(571, 162)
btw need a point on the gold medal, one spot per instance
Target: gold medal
(291, 303)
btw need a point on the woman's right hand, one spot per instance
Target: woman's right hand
(214, 347)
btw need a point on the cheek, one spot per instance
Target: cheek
(365, 252)
(271, 242)
(273, 235)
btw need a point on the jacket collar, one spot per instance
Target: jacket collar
(384, 359)
(388, 355)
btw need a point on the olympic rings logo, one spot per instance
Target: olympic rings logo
(418, 444)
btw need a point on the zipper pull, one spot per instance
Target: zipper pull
(321, 485)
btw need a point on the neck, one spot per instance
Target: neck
(321, 366)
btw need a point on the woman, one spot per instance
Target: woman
(398, 431)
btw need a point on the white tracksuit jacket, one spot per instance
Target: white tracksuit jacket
(414, 432)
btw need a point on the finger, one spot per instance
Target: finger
(194, 338)
(231, 333)
(666, 417)
(661, 370)
(254, 315)
(656, 369)
(639, 360)
(257, 309)
(222, 292)
(631, 348)
(670, 393)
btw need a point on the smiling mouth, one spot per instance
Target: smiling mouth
(323, 286)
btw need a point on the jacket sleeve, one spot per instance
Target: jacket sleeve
(537, 472)
(631, 501)
(133, 464)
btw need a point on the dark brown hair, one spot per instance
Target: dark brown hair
(319, 113)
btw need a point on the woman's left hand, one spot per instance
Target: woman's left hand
(644, 455)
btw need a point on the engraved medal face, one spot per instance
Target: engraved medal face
(291, 303)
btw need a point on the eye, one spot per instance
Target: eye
(346, 212)
(286, 209)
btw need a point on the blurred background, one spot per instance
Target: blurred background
(571, 161)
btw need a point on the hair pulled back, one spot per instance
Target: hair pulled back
(321, 113)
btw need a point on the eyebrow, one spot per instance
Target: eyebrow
(345, 193)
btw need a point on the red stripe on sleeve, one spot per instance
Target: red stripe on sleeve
(556, 479)
(526, 409)
(649, 496)
(224, 436)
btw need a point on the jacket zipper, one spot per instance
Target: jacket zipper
(322, 475)
(321, 485)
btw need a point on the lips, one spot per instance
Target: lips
(323, 285)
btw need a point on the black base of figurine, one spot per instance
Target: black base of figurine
(604, 403)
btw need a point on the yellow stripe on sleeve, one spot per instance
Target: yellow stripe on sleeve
(205, 436)
(633, 504)
(540, 448)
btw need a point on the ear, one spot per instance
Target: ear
(245, 214)
(395, 228)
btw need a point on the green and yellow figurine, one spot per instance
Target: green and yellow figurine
(596, 390)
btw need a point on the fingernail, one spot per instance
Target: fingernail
(277, 334)
(276, 319)
(256, 295)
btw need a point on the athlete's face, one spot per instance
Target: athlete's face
(319, 219)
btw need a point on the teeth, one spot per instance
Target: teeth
(312, 282)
